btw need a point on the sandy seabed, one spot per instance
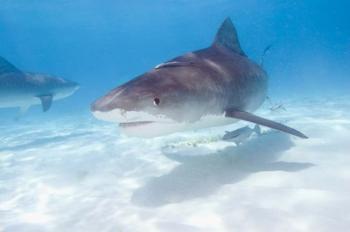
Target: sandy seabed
(78, 174)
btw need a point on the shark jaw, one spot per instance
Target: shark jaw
(144, 125)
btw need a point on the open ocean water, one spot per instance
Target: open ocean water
(64, 170)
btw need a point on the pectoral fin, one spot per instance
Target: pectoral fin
(232, 113)
(46, 101)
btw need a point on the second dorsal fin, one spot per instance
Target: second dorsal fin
(228, 38)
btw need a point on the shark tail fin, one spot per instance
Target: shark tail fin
(227, 37)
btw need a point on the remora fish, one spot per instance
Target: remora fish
(214, 86)
(24, 89)
(241, 134)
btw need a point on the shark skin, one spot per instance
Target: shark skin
(213, 86)
(24, 89)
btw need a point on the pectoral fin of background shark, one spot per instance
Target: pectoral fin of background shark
(233, 113)
(46, 101)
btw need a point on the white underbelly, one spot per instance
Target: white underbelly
(19, 101)
(156, 129)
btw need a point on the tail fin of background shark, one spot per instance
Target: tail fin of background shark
(227, 37)
(6, 67)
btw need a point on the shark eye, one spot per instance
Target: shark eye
(156, 101)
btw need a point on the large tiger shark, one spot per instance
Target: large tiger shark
(24, 89)
(214, 86)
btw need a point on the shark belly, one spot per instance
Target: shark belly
(156, 129)
(18, 100)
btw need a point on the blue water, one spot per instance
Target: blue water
(101, 44)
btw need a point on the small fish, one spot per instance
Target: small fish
(241, 135)
(278, 107)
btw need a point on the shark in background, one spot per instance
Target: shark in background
(24, 89)
(214, 86)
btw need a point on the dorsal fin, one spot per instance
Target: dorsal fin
(6, 67)
(227, 37)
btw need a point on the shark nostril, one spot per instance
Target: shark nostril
(123, 113)
(156, 101)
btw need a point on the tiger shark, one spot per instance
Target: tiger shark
(210, 87)
(24, 89)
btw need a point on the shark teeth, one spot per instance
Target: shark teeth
(123, 113)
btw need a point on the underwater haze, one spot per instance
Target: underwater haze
(64, 170)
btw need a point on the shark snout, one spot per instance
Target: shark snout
(105, 104)
(103, 109)
(100, 105)
(106, 110)
(114, 108)
(75, 85)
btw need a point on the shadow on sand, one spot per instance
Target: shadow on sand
(200, 176)
(42, 141)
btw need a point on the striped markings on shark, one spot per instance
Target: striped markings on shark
(24, 89)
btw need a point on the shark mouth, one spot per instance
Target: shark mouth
(130, 118)
(142, 124)
(120, 116)
(136, 123)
